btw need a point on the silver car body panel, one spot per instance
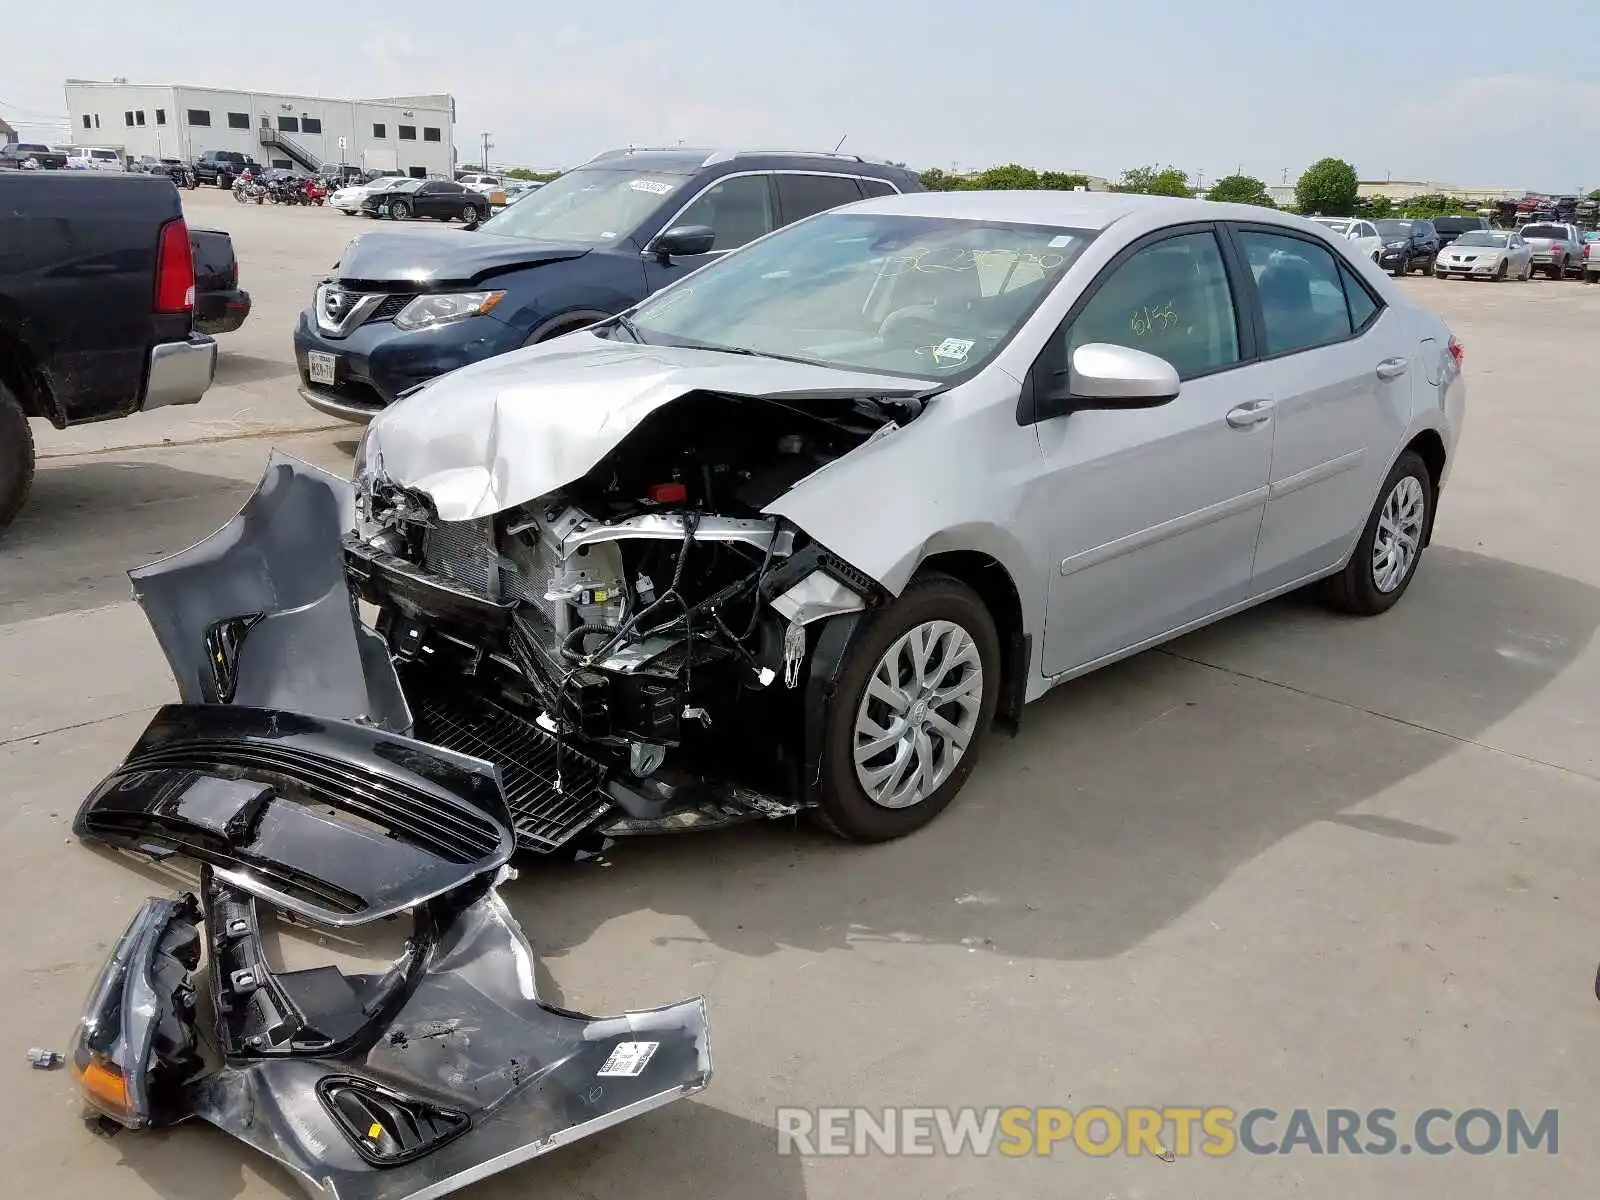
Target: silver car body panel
(1119, 529)
(510, 429)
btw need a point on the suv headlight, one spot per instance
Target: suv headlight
(427, 311)
(1394, 245)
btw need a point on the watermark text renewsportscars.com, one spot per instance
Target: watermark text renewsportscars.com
(1167, 1132)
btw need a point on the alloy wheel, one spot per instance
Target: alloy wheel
(919, 714)
(1399, 535)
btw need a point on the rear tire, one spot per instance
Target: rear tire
(1362, 589)
(16, 457)
(469, 216)
(961, 654)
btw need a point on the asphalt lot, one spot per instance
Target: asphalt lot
(1293, 861)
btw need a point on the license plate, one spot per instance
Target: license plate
(383, 210)
(320, 366)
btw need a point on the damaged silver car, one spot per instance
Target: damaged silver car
(797, 531)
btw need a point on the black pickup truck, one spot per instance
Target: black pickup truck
(222, 167)
(97, 293)
(20, 154)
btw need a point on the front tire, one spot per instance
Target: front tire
(16, 457)
(399, 211)
(1502, 273)
(904, 729)
(1386, 558)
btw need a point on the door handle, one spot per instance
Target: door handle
(1392, 368)
(1253, 413)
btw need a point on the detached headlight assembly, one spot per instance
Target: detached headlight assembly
(427, 311)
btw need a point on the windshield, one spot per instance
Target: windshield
(1393, 229)
(1336, 226)
(402, 185)
(925, 297)
(1554, 232)
(587, 206)
(1483, 237)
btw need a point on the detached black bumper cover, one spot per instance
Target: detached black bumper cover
(458, 1073)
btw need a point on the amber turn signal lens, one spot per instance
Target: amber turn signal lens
(105, 1086)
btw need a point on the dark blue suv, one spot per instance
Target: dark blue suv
(408, 305)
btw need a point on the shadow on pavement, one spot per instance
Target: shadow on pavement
(234, 368)
(87, 523)
(1129, 795)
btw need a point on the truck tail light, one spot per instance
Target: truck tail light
(174, 269)
(1457, 350)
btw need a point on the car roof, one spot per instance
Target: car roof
(1074, 210)
(688, 160)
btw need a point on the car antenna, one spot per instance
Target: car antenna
(839, 143)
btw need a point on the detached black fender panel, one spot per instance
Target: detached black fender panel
(339, 823)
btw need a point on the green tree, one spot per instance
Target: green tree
(531, 176)
(1376, 207)
(1328, 189)
(1059, 181)
(935, 180)
(1432, 206)
(1595, 195)
(1155, 181)
(1240, 189)
(1010, 178)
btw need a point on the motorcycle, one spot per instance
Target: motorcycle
(247, 189)
(314, 191)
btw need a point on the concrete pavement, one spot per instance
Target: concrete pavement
(1291, 861)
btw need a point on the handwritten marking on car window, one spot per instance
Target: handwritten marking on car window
(1146, 320)
(929, 259)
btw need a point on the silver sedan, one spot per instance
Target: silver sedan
(1497, 254)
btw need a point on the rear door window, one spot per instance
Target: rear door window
(802, 196)
(877, 187)
(1301, 290)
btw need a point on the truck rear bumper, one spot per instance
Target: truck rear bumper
(180, 372)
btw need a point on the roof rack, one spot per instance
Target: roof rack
(725, 155)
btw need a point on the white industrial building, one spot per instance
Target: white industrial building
(409, 134)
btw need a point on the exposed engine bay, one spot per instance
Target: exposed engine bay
(646, 619)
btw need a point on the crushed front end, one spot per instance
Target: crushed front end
(633, 649)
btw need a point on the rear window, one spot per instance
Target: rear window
(1457, 224)
(1544, 231)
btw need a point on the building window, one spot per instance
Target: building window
(284, 163)
(408, 133)
(127, 118)
(289, 124)
(429, 134)
(97, 120)
(138, 117)
(310, 124)
(161, 116)
(238, 121)
(86, 123)
(380, 131)
(202, 118)
(419, 172)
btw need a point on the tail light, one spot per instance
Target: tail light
(1457, 350)
(174, 269)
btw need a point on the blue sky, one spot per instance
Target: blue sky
(1487, 96)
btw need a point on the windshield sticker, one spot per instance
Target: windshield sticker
(1060, 241)
(952, 351)
(654, 186)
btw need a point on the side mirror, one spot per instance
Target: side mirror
(1103, 375)
(684, 239)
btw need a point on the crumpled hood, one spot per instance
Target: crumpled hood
(511, 429)
(443, 256)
